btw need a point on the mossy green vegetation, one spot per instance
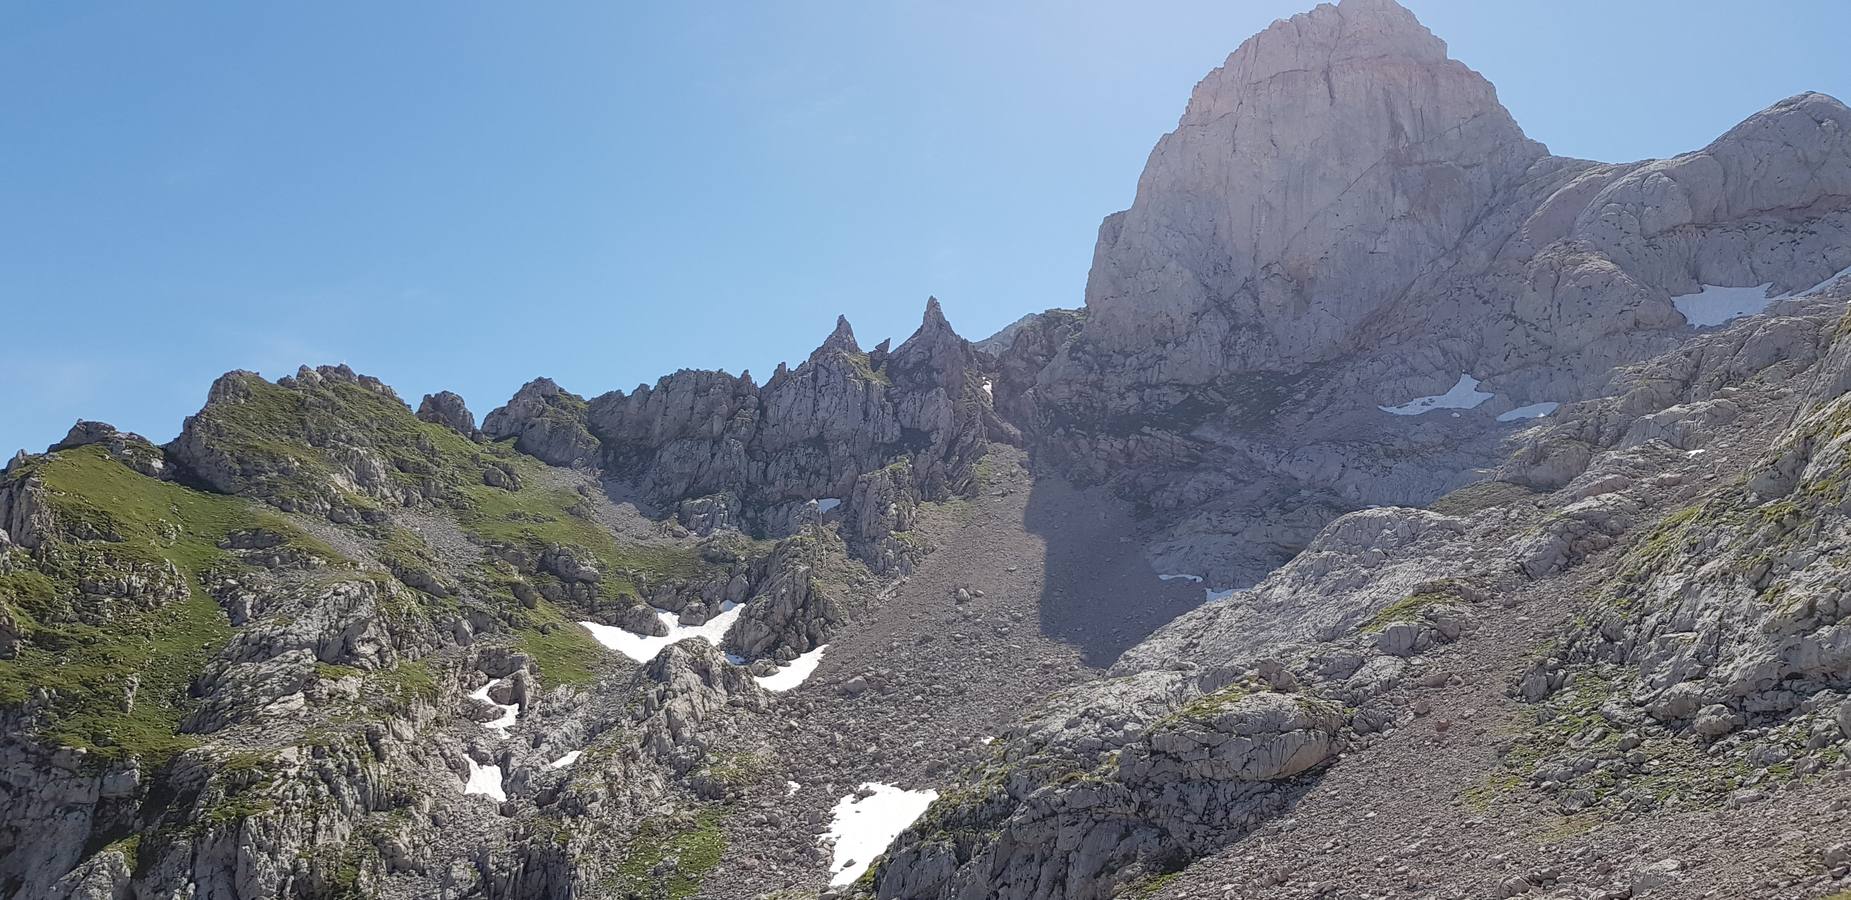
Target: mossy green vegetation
(1407, 609)
(863, 367)
(1479, 497)
(120, 690)
(410, 681)
(736, 770)
(119, 671)
(283, 430)
(1571, 726)
(669, 860)
(1152, 885)
(537, 517)
(278, 434)
(1208, 705)
(565, 652)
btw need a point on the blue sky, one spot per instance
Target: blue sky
(466, 195)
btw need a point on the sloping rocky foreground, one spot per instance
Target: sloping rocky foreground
(1515, 484)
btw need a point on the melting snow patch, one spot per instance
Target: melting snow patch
(828, 503)
(565, 760)
(1533, 411)
(791, 788)
(1196, 578)
(644, 648)
(1716, 304)
(988, 390)
(863, 828)
(1214, 595)
(485, 780)
(794, 672)
(509, 712)
(1464, 395)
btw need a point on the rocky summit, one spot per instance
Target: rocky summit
(1408, 512)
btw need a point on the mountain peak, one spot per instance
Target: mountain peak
(1325, 37)
(841, 339)
(1277, 217)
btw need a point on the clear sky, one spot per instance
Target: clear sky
(466, 195)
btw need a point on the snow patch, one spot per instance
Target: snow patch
(828, 503)
(791, 788)
(565, 760)
(1463, 395)
(509, 712)
(988, 390)
(1715, 304)
(644, 648)
(1532, 411)
(793, 673)
(1210, 592)
(484, 780)
(862, 829)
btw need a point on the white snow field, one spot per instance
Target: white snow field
(644, 648)
(794, 672)
(863, 828)
(1463, 395)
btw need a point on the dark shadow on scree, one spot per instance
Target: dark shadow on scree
(1098, 592)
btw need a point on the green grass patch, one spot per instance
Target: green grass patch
(536, 517)
(566, 653)
(158, 653)
(410, 681)
(1406, 609)
(120, 674)
(284, 428)
(1479, 497)
(691, 851)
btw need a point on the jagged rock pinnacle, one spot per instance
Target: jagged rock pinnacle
(841, 339)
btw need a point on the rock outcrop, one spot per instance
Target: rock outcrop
(725, 451)
(447, 409)
(547, 422)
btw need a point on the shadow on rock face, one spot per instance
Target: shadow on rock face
(1098, 592)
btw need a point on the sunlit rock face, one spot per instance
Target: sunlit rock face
(1341, 190)
(1312, 177)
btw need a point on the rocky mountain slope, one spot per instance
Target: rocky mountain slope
(1514, 484)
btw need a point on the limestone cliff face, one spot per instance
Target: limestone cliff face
(1345, 218)
(1341, 190)
(1313, 177)
(722, 450)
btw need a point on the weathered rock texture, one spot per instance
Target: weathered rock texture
(1345, 218)
(323, 646)
(724, 451)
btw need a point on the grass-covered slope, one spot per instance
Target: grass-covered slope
(333, 443)
(107, 610)
(110, 614)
